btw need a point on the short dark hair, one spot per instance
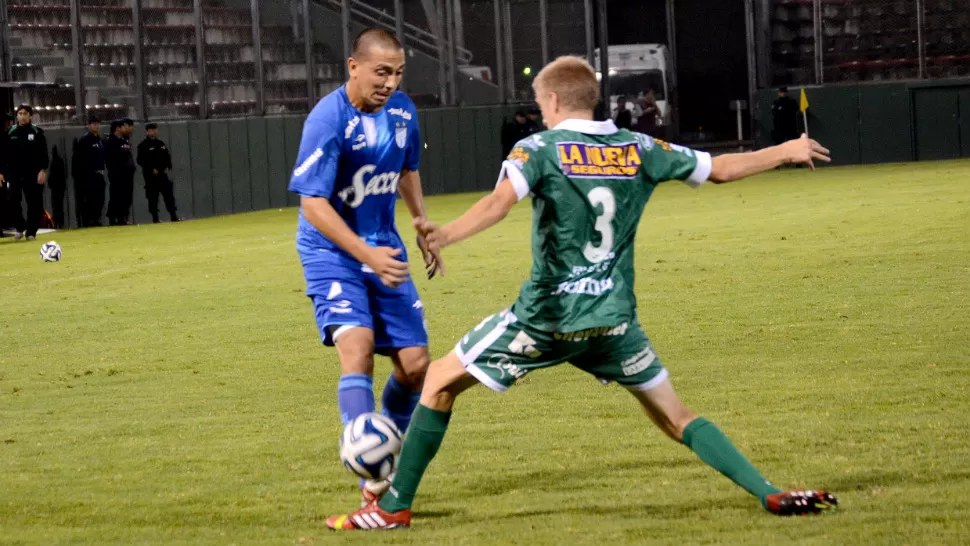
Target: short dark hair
(374, 36)
(783, 89)
(151, 126)
(26, 108)
(93, 118)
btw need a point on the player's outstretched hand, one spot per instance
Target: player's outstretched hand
(806, 151)
(428, 237)
(383, 260)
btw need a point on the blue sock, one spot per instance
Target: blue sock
(399, 403)
(355, 395)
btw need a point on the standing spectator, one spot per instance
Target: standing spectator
(624, 114)
(156, 164)
(784, 113)
(514, 131)
(27, 174)
(57, 180)
(121, 172)
(88, 170)
(647, 122)
(5, 161)
(535, 125)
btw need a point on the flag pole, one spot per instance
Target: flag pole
(803, 106)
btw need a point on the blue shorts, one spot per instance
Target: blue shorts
(345, 293)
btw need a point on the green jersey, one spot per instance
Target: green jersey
(589, 183)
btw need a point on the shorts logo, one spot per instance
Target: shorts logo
(638, 362)
(590, 333)
(504, 364)
(586, 160)
(335, 290)
(342, 307)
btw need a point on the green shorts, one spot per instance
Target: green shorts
(503, 349)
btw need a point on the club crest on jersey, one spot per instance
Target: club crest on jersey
(401, 135)
(586, 160)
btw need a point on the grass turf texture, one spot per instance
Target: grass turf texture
(165, 384)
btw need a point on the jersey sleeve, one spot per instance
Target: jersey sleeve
(663, 161)
(523, 165)
(316, 164)
(412, 156)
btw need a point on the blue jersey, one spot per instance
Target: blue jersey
(354, 160)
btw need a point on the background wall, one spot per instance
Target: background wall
(242, 165)
(879, 123)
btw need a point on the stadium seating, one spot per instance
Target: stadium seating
(42, 51)
(868, 40)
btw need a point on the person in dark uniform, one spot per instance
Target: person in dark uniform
(5, 161)
(121, 172)
(88, 170)
(57, 182)
(156, 163)
(27, 173)
(784, 114)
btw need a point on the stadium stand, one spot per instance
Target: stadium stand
(868, 40)
(41, 51)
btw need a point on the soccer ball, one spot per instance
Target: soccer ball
(50, 252)
(370, 445)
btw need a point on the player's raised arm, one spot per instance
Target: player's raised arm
(804, 150)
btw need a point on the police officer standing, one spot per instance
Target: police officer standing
(156, 163)
(5, 162)
(88, 170)
(121, 172)
(26, 173)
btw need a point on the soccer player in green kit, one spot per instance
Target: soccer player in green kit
(589, 183)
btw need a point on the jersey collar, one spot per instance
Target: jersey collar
(587, 127)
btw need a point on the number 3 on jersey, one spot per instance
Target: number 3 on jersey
(604, 224)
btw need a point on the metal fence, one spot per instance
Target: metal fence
(833, 41)
(199, 59)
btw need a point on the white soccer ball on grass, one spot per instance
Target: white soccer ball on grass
(370, 445)
(50, 252)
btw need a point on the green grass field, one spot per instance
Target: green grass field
(166, 385)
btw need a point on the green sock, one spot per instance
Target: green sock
(424, 437)
(714, 448)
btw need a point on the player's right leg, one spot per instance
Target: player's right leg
(446, 379)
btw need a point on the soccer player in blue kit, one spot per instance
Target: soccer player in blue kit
(360, 147)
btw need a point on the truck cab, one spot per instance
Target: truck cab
(634, 70)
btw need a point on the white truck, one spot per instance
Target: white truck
(635, 69)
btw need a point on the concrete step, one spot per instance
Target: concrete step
(14, 41)
(16, 53)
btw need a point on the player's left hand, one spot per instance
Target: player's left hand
(432, 253)
(806, 151)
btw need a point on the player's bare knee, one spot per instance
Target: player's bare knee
(679, 420)
(356, 357)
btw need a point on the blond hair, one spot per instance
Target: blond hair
(573, 80)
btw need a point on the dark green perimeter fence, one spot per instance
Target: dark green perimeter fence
(881, 123)
(242, 165)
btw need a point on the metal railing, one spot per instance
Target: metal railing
(414, 35)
